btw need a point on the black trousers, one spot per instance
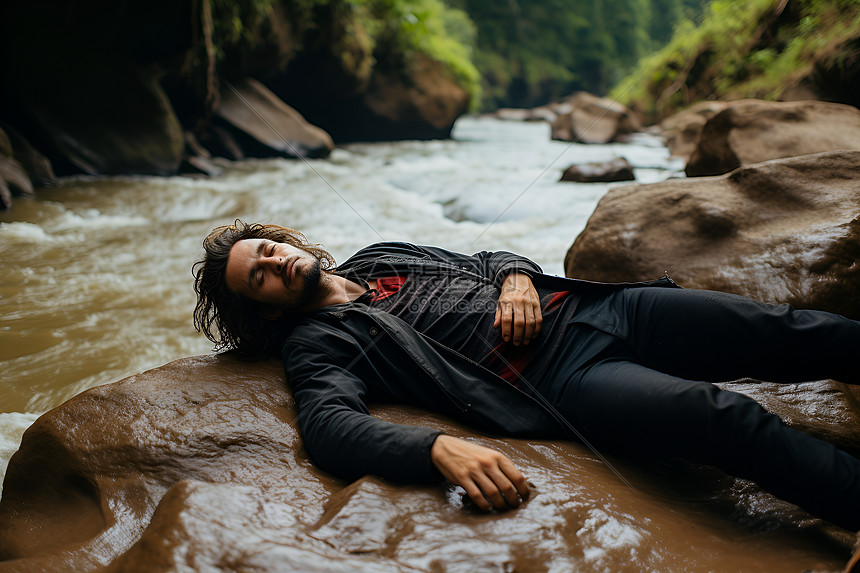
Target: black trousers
(636, 376)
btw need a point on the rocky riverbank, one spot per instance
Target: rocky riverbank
(158, 88)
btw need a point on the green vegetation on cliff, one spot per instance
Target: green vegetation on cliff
(770, 49)
(428, 27)
(400, 28)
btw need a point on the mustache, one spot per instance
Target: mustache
(283, 273)
(288, 265)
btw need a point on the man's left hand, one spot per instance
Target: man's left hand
(518, 311)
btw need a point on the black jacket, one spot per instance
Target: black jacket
(342, 357)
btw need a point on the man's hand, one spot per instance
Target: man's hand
(518, 311)
(485, 474)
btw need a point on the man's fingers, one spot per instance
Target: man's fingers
(489, 477)
(501, 495)
(518, 326)
(491, 490)
(509, 496)
(529, 324)
(506, 314)
(476, 495)
(538, 316)
(518, 312)
(515, 477)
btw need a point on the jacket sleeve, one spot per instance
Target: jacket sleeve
(338, 432)
(495, 265)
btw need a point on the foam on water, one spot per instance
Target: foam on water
(16, 232)
(12, 427)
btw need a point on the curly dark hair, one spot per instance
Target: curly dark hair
(230, 320)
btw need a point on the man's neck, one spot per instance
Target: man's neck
(339, 290)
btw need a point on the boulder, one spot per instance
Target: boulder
(617, 169)
(683, 129)
(198, 159)
(753, 131)
(422, 104)
(35, 164)
(782, 231)
(198, 465)
(13, 178)
(593, 119)
(267, 125)
(407, 97)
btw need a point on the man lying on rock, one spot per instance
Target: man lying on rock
(489, 340)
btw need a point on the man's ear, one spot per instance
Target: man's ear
(269, 313)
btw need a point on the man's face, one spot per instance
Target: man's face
(276, 274)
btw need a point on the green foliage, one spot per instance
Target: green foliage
(428, 27)
(528, 52)
(401, 28)
(234, 23)
(531, 52)
(758, 48)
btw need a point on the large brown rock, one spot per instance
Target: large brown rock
(417, 98)
(429, 96)
(35, 164)
(752, 131)
(781, 231)
(13, 178)
(198, 465)
(593, 119)
(267, 122)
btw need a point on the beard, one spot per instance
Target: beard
(311, 288)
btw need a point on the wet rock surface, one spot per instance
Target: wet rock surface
(783, 231)
(197, 465)
(753, 131)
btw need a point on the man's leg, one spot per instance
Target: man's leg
(625, 407)
(715, 336)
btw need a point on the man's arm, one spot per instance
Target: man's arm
(338, 431)
(518, 312)
(381, 259)
(341, 437)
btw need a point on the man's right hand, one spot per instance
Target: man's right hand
(490, 479)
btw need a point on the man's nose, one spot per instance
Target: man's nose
(275, 263)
